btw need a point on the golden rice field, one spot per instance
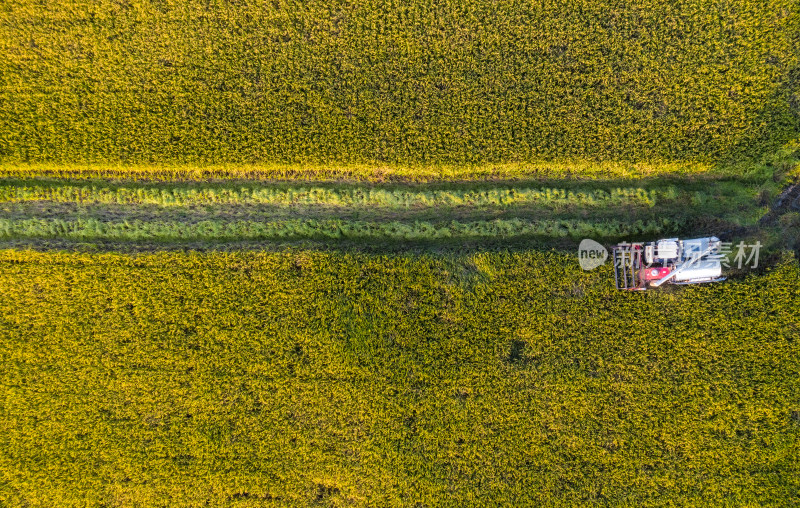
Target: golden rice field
(277, 253)
(301, 378)
(383, 82)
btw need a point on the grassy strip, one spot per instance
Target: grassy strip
(305, 378)
(216, 230)
(329, 196)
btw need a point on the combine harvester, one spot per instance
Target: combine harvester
(640, 266)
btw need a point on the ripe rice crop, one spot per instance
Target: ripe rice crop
(302, 378)
(364, 172)
(782, 161)
(376, 82)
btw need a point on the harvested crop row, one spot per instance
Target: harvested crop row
(329, 196)
(136, 230)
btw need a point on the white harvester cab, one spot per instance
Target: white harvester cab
(646, 265)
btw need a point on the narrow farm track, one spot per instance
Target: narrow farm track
(788, 200)
(794, 191)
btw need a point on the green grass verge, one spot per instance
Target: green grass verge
(301, 378)
(221, 231)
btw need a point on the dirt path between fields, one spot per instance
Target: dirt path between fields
(787, 201)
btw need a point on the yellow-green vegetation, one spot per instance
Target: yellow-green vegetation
(397, 341)
(302, 377)
(782, 161)
(373, 173)
(472, 81)
(342, 196)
